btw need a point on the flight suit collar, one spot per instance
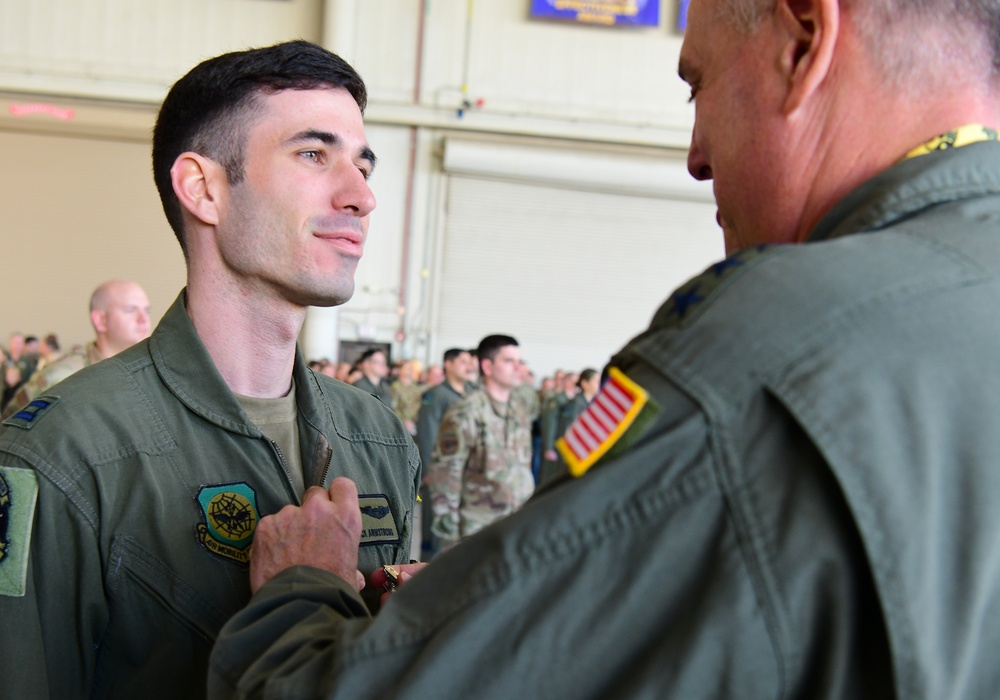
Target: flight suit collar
(189, 372)
(914, 185)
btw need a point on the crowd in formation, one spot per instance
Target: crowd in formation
(485, 427)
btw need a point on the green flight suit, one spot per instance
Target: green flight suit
(559, 414)
(150, 481)
(382, 391)
(433, 404)
(809, 506)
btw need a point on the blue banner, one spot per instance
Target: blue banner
(682, 15)
(607, 12)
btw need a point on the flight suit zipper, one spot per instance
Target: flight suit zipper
(326, 469)
(284, 469)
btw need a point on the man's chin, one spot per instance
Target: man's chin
(328, 297)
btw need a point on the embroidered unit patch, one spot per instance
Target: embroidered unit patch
(230, 513)
(602, 423)
(18, 494)
(377, 524)
(28, 416)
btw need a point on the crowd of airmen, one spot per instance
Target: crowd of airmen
(482, 457)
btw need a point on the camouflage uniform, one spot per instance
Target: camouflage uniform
(52, 373)
(406, 400)
(25, 366)
(481, 470)
(527, 396)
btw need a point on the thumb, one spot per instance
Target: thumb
(314, 492)
(343, 489)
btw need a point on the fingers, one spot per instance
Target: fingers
(378, 577)
(403, 578)
(323, 532)
(315, 492)
(342, 489)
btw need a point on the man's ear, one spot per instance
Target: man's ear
(197, 181)
(811, 30)
(99, 321)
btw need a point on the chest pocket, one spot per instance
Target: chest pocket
(159, 623)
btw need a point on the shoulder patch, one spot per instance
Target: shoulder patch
(230, 519)
(685, 304)
(612, 415)
(378, 526)
(28, 416)
(18, 494)
(448, 442)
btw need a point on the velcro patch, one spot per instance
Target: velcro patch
(18, 495)
(377, 523)
(603, 423)
(28, 416)
(230, 520)
(448, 442)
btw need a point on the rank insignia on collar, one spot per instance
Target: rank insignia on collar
(603, 423)
(377, 524)
(18, 494)
(27, 416)
(230, 518)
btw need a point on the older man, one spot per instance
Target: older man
(151, 470)
(788, 485)
(119, 313)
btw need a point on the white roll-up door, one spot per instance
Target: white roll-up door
(572, 272)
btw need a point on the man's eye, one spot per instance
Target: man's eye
(314, 156)
(365, 173)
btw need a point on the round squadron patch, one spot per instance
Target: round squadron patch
(230, 518)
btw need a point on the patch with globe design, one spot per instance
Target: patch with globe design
(230, 518)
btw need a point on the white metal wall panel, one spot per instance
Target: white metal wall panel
(572, 274)
(133, 49)
(520, 66)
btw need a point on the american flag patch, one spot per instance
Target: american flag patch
(602, 423)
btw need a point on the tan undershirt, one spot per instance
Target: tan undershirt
(276, 418)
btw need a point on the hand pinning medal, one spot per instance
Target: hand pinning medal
(391, 578)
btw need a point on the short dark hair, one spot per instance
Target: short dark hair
(452, 353)
(586, 376)
(209, 109)
(369, 353)
(490, 346)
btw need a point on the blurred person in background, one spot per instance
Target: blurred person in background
(119, 314)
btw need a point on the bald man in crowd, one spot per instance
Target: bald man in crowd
(119, 313)
(788, 486)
